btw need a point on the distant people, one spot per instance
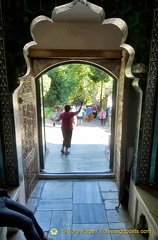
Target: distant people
(67, 127)
(15, 215)
(74, 109)
(107, 109)
(56, 114)
(80, 116)
(88, 113)
(94, 111)
(109, 116)
(102, 115)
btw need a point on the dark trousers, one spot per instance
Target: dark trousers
(67, 134)
(103, 120)
(95, 114)
(16, 215)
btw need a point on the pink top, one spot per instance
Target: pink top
(102, 114)
(67, 120)
(94, 107)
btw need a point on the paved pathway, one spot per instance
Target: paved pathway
(89, 151)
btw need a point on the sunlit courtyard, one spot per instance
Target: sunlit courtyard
(89, 151)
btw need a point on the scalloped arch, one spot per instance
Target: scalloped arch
(46, 33)
(70, 5)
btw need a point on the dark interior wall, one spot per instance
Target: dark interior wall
(18, 15)
(1, 162)
(130, 112)
(129, 133)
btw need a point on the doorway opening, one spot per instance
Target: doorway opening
(92, 141)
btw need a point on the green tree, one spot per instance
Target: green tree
(78, 77)
(101, 80)
(73, 82)
(57, 92)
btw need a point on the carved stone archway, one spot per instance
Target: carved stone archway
(57, 40)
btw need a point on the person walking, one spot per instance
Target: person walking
(94, 111)
(14, 214)
(102, 114)
(88, 113)
(80, 116)
(67, 127)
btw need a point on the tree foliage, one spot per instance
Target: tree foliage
(73, 82)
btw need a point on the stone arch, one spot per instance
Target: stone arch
(46, 51)
(109, 67)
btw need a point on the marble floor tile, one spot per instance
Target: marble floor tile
(111, 204)
(89, 213)
(54, 189)
(62, 220)
(65, 204)
(80, 204)
(84, 167)
(54, 168)
(117, 226)
(70, 167)
(86, 192)
(71, 159)
(98, 160)
(94, 167)
(109, 195)
(86, 159)
(114, 216)
(75, 156)
(116, 236)
(90, 232)
(108, 186)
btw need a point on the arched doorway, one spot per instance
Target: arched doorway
(98, 159)
(106, 48)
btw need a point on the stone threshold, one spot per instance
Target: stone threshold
(76, 176)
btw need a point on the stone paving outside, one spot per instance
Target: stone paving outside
(89, 151)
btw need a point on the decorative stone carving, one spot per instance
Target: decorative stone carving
(151, 95)
(10, 164)
(24, 97)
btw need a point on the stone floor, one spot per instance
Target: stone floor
(89, 151)
(79, 210)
